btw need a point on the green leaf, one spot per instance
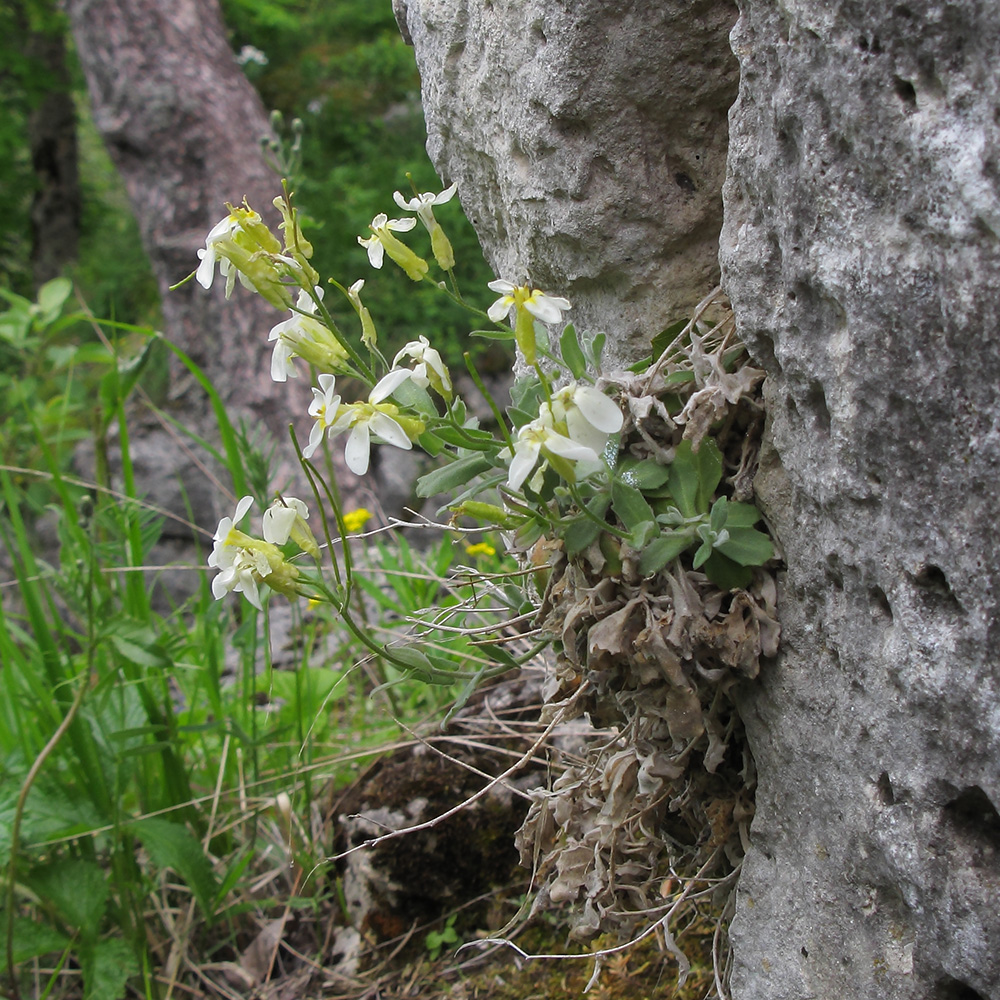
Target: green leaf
(630, 505)
(76, 888)
(742, 515)
(593, 348)
(569, 348)
(645, 475)
(143, 656)
(493, 334)
(107, 966)
(663, 550)
(719, 516)
(726, 574)
(747, 546)
(458, 473)
(32, 940)
(171, 845)
(52, 297)
(666, 337)
(694, 476)
(704, 551)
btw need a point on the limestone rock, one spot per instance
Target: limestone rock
(861, 254)
(588, 141)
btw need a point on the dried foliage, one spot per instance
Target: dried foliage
(671, 794)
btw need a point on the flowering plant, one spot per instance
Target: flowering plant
(551, 469)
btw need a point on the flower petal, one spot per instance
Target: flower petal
(388, 384)
(498, 311)
(358, 448)
(389, 431)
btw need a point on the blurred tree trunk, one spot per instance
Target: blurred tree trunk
(183, 126)
(55, 207)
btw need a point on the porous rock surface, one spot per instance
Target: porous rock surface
(588, 140)
(861, 251)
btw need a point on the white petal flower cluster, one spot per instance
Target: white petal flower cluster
(363, 420)
(429, 369)
(569, 435)
(244, 562)
(303, 336)
(205, 275)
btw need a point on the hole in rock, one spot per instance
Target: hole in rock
(816, 399)
(955, 989)
(885, 793)
(905, 91)
(881, 608)
(685, 183)
(805, 954)
(932, 581)
(974, 814)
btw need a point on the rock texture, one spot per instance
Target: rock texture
(861, 254)
(588, 140)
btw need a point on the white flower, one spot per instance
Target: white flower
(381, 228)
(547, 308)
(323, 409)
(286, 518)
(364, 420)
(303, 336)
(388, 384)
(423, 204)
(205, 274)
(429, 370)
(239, 567)
(539, 439)
(279, 519)
(589, 416)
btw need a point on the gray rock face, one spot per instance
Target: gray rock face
(588, 140)
(861, 253)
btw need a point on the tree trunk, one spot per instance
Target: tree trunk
(55, 207)
(183, 126)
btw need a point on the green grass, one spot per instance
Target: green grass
(144, 755)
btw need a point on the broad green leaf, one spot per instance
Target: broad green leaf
(31, 940)
(694, 476)
(663, 550)
(107, 966)
(645, 475)
(52, 297)
(742, 515)
(458, 473)
(580, 533)
(726, 574)
(76, 888)
(571, 352)
(144, 656)
(630, 505)
(747, 546)
(593, 348)
(171, 845)
(642, 534)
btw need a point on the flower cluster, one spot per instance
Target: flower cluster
(245, 562)
(411, 401)
(569, 434)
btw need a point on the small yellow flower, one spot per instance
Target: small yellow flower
(355, 520)
(480, 549)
